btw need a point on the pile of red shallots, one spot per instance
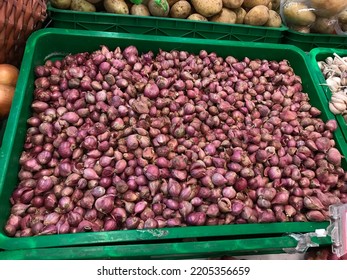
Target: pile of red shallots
(122, 140)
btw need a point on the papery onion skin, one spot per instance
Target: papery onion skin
(120, 140)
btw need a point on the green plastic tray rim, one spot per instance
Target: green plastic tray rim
(102, 21)
(49, 43)
(182, 250)
(309, 41)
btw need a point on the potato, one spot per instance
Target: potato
(145, 2)
(301, 29)
(61, 4)
(324, 25)
(343, 17)
(197, 17)
(274, 19)
(258, 15)
(226, 16)
(240, 15)
(181, 9)
(158, 10)
(232, 4)
(139, 10)
(116, 7)
(252, 3)
(298, 14)
(82, 6)
(207, 8)
(328, 8)
(172, 2)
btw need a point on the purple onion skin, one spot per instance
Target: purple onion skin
(105, 204)
(110, 225)
(196, 218)
(315, 216)
(122, 140)
(132, 222)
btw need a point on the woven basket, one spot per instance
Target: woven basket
(18, 19)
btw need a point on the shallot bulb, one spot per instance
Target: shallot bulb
(124, 140)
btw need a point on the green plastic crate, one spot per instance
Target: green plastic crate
(182, 250)
(101, 21)
(319, 54)
(310, 41)
(55, 43)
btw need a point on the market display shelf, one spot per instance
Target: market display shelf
(53, 43)
(182, 250)
(310, 41)
(101, 21)
(320, 54)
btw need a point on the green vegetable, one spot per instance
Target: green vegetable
(137, 2)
